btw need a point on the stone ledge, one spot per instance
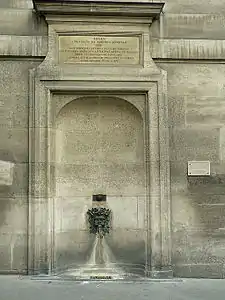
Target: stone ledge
(214, 271)
(23, 45)
(36, 46)
(187, 49)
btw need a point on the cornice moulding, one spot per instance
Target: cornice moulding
(99, 8)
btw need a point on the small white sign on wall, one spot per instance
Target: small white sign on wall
(198, 168)
(6, 172)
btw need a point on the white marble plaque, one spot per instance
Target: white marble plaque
(199, 168)
(99, 49)
(6, 172)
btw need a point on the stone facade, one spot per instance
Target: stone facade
(178, 219)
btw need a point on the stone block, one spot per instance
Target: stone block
(78, 146)
(19, 259)
(178, 173)
(190, 7)
(13, 253)
(125, 237)
(127, 179)
(195, 80)
(12, 45)
(207, 185)
(128, 246)
(182, 49)
(77, 180)
(222, 144)
(70, 213)
(20, 182)
(14, 112)
(27, 21)
(194, 144)
(189, 26)
(110, 179)
(176, 111)
(214, 271)
(16, 4)
(13, 215)
(196, 243)
(14, 144)
(72, 248)
(18, 73)
(142, 214)
(124, 212)
(73, 238)
(205, 110)
(211, 216)
(5, 259)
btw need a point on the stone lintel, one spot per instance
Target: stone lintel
(99, 8)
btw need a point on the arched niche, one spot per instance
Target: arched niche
(135, 100)
(100, 139)
(99, 148)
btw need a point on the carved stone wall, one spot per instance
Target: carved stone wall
(136, 75)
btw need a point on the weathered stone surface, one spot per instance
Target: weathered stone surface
(189, 26)
(195, 80)
(28, 23)
(11, 45)
(190, 7)
(100, 147)
(199, 271)
(13, 215)
(25, 4)
(14, 148)
(222, 144)
(187, 49)
(195, 144)
(196, 112)
(13, 253)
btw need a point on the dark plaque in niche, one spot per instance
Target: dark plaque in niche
(99, 198)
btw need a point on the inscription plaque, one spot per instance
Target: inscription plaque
(98, 49)
(198, 168)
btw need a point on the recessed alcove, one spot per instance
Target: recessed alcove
(99, 147)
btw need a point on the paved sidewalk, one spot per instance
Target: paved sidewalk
(25, 288)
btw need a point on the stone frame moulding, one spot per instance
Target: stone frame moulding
(53, 77)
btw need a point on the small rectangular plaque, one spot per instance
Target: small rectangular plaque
(199, 168)
(6, 172)
(99, 49)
